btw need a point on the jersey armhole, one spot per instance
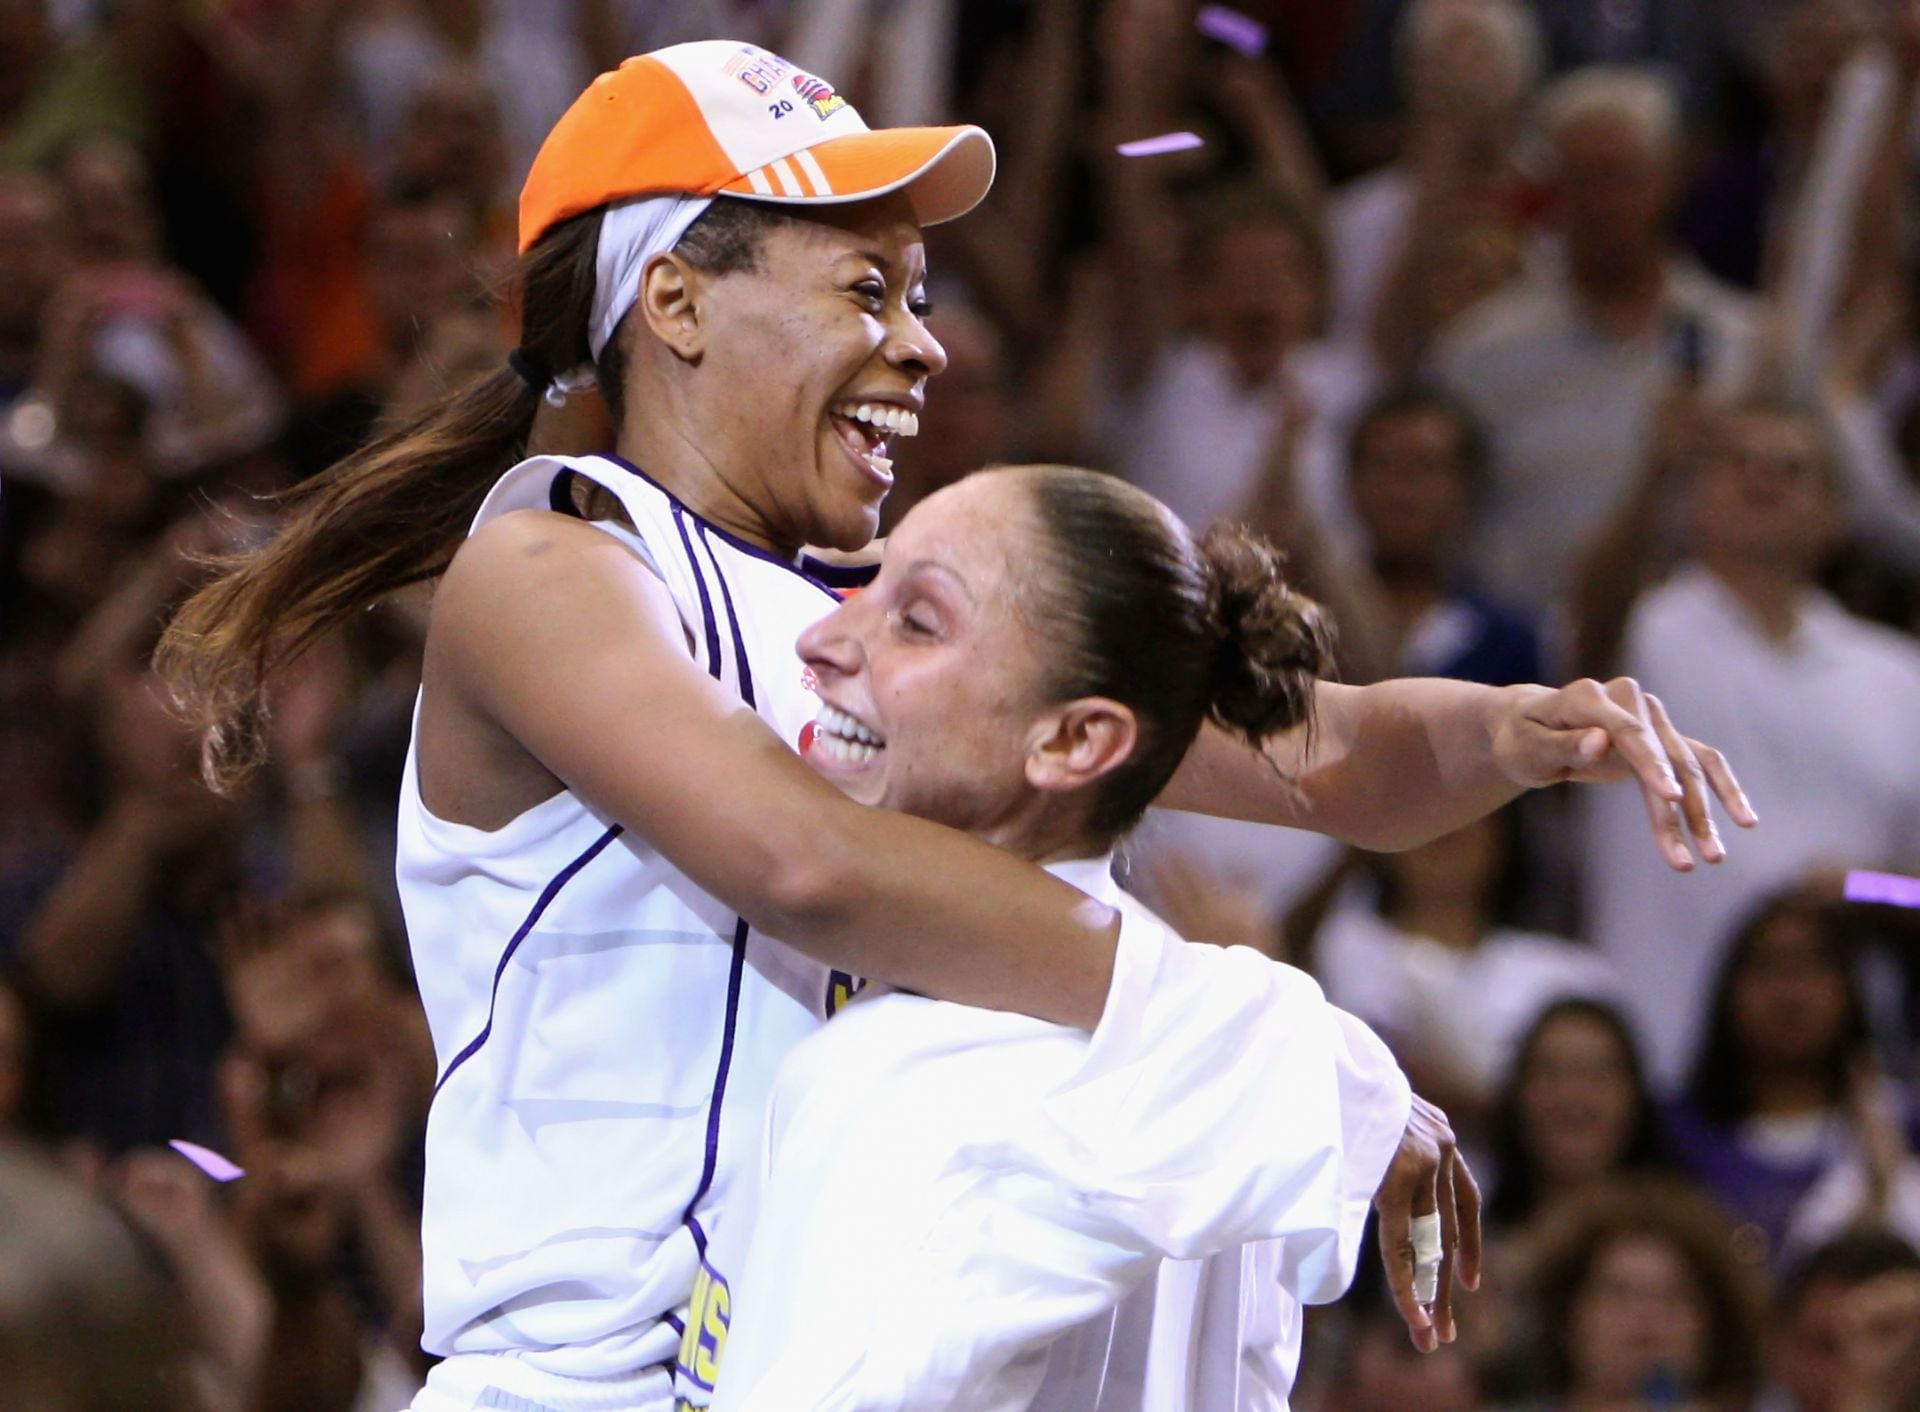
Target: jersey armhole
(629, 537)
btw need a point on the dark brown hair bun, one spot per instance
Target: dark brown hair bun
(1274, 642)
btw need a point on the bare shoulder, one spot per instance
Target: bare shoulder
(535, 584)
(526, 561)
(539, 621)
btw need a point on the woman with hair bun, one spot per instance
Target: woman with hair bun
(627, 897)
(952, 1204)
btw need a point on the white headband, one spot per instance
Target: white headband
(632, 233)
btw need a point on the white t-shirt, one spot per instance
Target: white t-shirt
(1198, 436)
(1566, 410)
(1366, 223)
(945, 1191)
(1824, 731)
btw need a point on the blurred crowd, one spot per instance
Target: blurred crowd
(1551, 337)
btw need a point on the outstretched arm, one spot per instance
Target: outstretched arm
(1395, 764)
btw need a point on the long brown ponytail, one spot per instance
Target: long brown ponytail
(387, 516)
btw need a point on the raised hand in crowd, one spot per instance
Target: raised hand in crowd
(227, 1304)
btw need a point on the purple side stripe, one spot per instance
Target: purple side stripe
(551, 891)
(706, 603)
(734, 975)
(744, 672)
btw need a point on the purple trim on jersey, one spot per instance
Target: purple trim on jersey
(706, 603)
(699, 1237)
(674, 1322)
(838, 577)
(734, 975)
(809, 569)
(547, 894)
(733, 625)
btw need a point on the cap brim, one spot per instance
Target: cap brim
(945, 171)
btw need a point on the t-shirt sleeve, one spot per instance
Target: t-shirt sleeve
(1224, 1101)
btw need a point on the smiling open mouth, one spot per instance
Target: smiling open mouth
(842, 738)
(866, 428)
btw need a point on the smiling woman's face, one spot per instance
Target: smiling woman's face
(814, 359)
(934, 667)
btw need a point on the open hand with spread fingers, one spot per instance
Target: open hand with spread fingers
(1594, 732)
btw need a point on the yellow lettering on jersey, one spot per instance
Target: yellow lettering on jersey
(690, 1340)
(719, 1315)
(709, 1313)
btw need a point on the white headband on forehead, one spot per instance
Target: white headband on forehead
(632, 233)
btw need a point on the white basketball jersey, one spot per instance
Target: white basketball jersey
(605, 1031)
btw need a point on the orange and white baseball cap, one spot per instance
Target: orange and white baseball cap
(721, 118)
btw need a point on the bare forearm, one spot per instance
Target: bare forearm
(927, 908)
(1389, 766)
(76, 941)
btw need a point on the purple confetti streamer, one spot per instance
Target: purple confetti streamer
(1889, 888)
(1166, 142)
(207, 1160)
(1233, 29)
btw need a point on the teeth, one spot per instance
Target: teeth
(842, 730)
(897, 420)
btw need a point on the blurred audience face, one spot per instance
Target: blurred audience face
(1470, 61)
(110, 201)
(1789, 1001)
(1455, 870)
(1807, 1346)
(1410, 484)
(1259, 295)
(1615, 186)
(1763, 493)
(1638, 1319)
(31, 253)
(1385, 1373)
(419, 263)
(1576, 1099)
(451, 139)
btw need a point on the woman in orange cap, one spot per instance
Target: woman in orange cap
(603, 819)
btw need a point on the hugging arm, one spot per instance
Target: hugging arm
(1395, 764)
(553, 635)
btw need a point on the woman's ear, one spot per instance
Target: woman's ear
(1075, 744)
(671, 302)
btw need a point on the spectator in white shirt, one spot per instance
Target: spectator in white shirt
(1564, 368)
(1434, 965)
(1212, 402)
(1825, 706)
(1467, 68)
